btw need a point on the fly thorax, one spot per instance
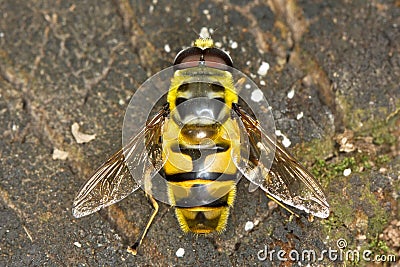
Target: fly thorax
(200, 111)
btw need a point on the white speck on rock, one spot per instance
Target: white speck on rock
(263, 69)
(300, 115)
(248, 226)
(218, 44)
(180, 252)
(257, 95)
(290, 94)
(206, 12)
(286, 142)
(167, 48)
(234, 45)
(347, 172)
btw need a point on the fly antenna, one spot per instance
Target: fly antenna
(204, 33)
(204, 41)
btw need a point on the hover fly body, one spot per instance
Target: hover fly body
(201, 141)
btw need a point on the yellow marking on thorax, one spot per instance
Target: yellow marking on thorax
(221, 77)
(203, 42)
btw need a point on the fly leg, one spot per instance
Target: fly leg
(283, 206)
(133, 249)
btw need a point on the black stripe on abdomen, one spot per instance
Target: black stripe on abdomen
(210, 176)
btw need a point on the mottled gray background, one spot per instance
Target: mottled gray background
(63, 62)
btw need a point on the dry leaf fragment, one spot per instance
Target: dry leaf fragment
(59, 154)
(81, 137)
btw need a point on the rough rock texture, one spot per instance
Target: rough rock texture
(62, 63)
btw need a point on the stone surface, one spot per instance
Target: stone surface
(64, 63)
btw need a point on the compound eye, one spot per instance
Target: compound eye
(218, 56)
(192, 54)
(212, 57)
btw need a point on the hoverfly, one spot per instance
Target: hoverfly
(201, 141)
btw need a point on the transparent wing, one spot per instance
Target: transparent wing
(113, 181)
(286, 180)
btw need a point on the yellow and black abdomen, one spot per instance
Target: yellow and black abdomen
(201, 173)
